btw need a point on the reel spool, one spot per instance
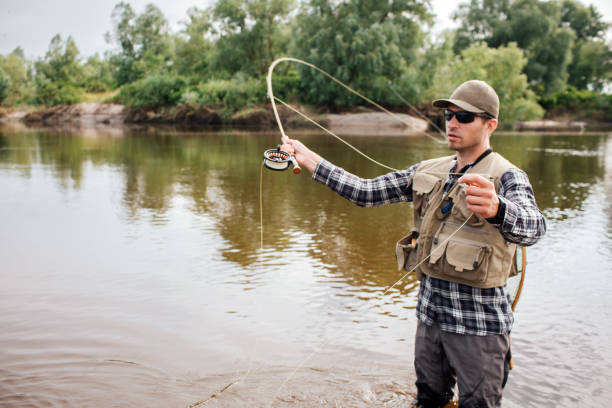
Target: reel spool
(279, 160)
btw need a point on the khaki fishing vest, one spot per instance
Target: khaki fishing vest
(477, 254)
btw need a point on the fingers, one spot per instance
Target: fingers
(482, 201)
(480, 195)
(478, 201)
(287, 145)
(475, 180)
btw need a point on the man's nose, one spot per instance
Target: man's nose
(453, 123)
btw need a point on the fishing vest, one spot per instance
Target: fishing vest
(476, 254)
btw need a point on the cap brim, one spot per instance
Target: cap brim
(444, 103)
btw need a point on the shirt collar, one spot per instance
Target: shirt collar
(470, 165)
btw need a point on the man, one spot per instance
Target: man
(470, 212)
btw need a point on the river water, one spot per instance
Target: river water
(135, 273)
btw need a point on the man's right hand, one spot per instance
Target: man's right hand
(304, 156)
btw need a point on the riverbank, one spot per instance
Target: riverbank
(90, 114)
(357, 122)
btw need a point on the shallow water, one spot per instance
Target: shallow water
(133, 274)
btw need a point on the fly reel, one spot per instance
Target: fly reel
(279, 160)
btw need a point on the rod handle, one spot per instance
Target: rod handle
(296, 167)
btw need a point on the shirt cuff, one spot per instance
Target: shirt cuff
(322, 171)
(501, 212)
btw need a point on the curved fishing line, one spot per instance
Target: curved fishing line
(334, 135)
(261, 205)
(415, 110)
(519, 289)
(369, 306)
(308, 64)
(225, 388)
(214, 395)
(284, 136)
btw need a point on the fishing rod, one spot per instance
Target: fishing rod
(277, 159)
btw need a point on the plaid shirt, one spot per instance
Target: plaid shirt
(456, 307)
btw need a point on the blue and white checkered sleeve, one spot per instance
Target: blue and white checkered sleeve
(523, 222)
(386, 189)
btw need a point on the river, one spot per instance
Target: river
(135, 273)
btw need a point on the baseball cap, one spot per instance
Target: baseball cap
(473, 96)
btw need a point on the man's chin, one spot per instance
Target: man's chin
(453, 144)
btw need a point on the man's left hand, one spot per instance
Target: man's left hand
(481, 195)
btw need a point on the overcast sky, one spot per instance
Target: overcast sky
(32, 23)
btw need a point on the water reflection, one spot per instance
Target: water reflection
(168, 223)
(220, 174)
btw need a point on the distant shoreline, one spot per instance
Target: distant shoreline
(362, 121)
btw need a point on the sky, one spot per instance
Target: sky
(32, 23)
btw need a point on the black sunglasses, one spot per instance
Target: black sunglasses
(463, 116)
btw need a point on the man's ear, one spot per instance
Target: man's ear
(491, 125)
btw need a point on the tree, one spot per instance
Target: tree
(143, 40)
(250, 34)
(193, 45)
(551, 33)
(59, 73)
(97, 74)
(5, 85)
(502, 69)
(19, 73)
(362, 43)
(61, 63)
(591, 65)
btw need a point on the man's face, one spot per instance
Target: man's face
(468, 136)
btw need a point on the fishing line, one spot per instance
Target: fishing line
(284, 137)
(353, 91)
(276, 159)
(415, 110)
(261, 167)
(369, 306)
(334, 135)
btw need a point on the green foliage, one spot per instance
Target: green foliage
(193, 49)
(420, 77)
(250, 34)
(143, 40)
(499, 67)
(592, 65)
(61, 63)
(286, 85)
(155, 90)
(586, 21)
(54, 93)
(19, 73)
(97, 75)
(222, 53)
(550, 32)
(364, 44)
(232, 95)
(572, 99)
(59, 73)
(5, 85)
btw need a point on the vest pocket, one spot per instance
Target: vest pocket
(405, 251)
(422, 186)
(459, 257)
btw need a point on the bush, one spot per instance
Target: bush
(156, 90)
(286, 86)
(502, 68)
(573, 98)
(5, 85)
(56, 93)
(585, 103)
(232, 95)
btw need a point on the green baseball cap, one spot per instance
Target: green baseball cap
(473, 96)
